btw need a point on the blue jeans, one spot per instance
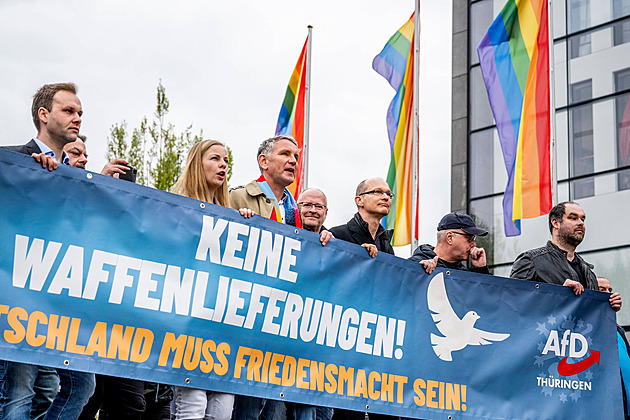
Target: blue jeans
(27, 390)
(196, 404)
(76, 390)
(324, 413)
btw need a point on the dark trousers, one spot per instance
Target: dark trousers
(128, 399)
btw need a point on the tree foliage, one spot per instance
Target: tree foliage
(155, 149)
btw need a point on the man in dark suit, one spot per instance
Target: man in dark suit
(56, 112)
(373, 199)
(30, 390)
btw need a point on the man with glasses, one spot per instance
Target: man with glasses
(313, 209)
(373, 199)
(455, 244)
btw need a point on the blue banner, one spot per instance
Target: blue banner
(102, 275)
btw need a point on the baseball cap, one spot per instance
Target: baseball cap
(460, 221)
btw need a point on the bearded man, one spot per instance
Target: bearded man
(557, 262)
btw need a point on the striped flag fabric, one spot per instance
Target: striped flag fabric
(514, 59)
(395, 63)
(291, 118)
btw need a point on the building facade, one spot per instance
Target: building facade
(591, 89)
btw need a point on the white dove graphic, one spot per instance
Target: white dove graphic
(458, 333)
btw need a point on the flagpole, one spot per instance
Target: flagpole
(552, 111)
(307, 109)
(414, 176)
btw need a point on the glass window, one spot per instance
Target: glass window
(613, 265)
(622, 32)
(579, 15)
(580, 45)
(482, 212)
(583, 161)
(480, 163)
(481, 16)
(622, 107)
(480, 112)
(621, 8)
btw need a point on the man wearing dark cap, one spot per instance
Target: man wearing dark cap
(455, 244)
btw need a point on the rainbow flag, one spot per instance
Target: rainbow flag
(291, 118)
(514, 58)
(395, 63)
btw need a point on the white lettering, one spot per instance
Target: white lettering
(96, 274)
(33, 259)
(209, 241)
(146, 285)
(69, 275)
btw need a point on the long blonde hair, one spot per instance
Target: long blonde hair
(192, 183)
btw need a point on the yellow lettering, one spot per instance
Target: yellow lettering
(317, 376)
(331, 385)
(15, 316)
(360, 387)
(222, 368)
(240, 362)
(431, 394)
(418, 386)
(98, 340)
(372, 392)
(346, 375)
(301, 374)
(73, 336)
(452, 397)
(32, 338)
(288, 371)
(141, 346)
(119, 342)
(171, 343)
(207, 363)
(274, 369)
(57, 331)
(192, 354)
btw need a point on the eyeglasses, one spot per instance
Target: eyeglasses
(471, 238)
(318, 207)
(379, 192)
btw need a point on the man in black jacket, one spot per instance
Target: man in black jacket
(557, 262)
(373, 199)
(56, 112)
(455, 244)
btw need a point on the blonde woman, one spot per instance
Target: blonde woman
(205, 179)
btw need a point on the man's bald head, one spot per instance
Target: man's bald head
(313, 207)
(604, 285)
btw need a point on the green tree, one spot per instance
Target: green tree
(155, 149)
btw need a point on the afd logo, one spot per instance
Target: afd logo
(573, 345)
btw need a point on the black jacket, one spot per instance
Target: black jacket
(549, 264)
(356, 231)
(26, 149)
(426, 252)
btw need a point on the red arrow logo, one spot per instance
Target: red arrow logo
(566, 369)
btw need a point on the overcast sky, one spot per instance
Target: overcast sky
(226, 66)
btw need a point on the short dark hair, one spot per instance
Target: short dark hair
(557, 212)
(44, 96)
(82, 137)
